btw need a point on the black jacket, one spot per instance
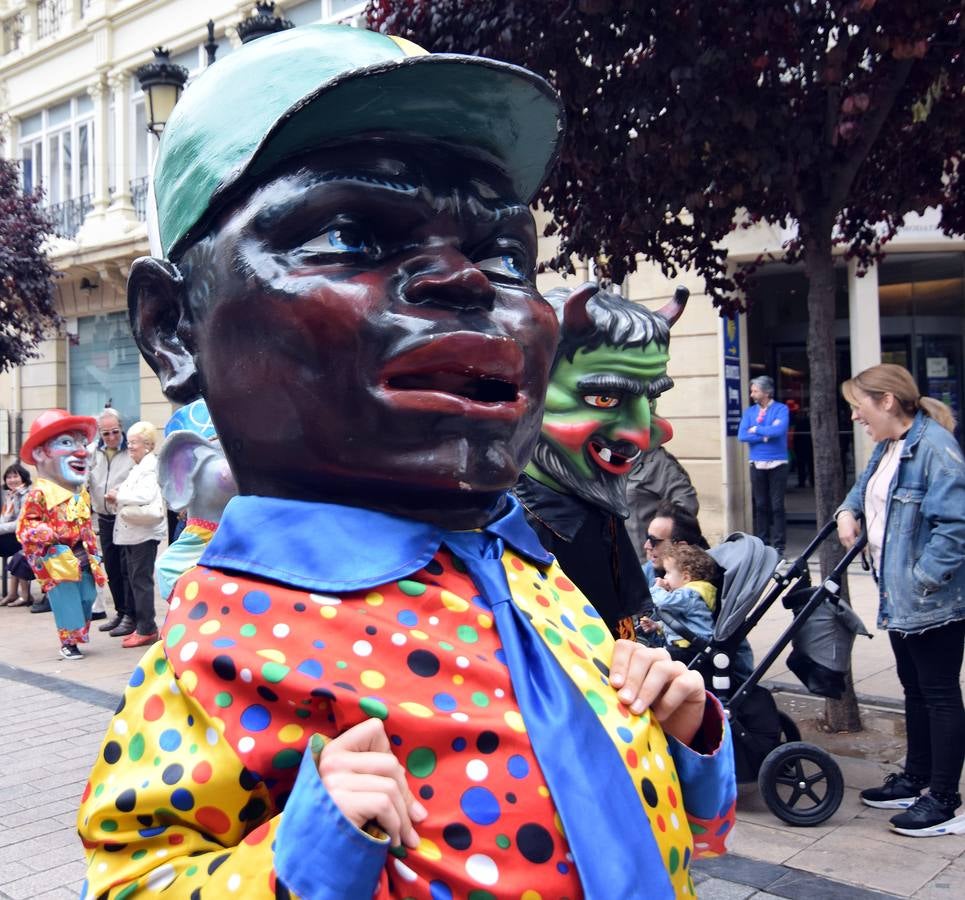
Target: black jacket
(592, 547)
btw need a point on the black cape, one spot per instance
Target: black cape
(592, 547)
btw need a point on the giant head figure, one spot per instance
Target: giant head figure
(345, 270)
(610, 368)
(57, 446)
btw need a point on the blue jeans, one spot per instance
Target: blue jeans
(768, 487)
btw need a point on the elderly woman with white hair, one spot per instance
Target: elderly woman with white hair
(141, 524)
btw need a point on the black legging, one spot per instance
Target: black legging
(929, 665)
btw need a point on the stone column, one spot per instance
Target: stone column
(98, 92)
(122, 204)
(10, 131)
(865, 331)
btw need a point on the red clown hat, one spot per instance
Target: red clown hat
(51, 423)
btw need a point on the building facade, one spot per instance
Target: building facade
(74, 114)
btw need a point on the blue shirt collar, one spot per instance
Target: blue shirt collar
(328, 547)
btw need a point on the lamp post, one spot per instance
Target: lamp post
(162, 82)
(263, 21)
(211, 45)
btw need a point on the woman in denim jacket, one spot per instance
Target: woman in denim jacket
(912, 496)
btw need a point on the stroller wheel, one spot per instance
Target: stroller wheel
(801, 783)
(789, 730)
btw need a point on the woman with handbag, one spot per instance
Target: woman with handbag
(141, 524)
(16, 483)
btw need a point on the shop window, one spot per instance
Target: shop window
(104, 366)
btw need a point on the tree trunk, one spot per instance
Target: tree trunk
(843, 714)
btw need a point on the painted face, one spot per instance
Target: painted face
(376, 303)
(600, 417)
(110, 431)
(672, 575)
(658, 539)
(63, 459)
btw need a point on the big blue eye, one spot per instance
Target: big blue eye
(511, 264)
(340, 239)
(346, 239)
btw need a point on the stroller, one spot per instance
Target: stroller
(800, 782)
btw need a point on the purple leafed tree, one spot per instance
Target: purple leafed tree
(690, 119)
(27, 311)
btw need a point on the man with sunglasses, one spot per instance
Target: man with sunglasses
(671, 524)
(110, 466)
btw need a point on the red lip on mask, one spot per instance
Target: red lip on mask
(617, 464)
(460, 373)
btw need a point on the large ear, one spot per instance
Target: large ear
(157, 307)
(178, 462)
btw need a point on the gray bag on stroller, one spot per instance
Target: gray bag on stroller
(821, 650)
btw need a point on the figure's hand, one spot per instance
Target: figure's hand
(111, 495)
(648, 625)
(366, 782)
(648, 677)
(848, 529)
(662, 583)
(752, 429)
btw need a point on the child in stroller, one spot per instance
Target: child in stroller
(800, 782)
(685, 600)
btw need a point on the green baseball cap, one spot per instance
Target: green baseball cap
(320, 85)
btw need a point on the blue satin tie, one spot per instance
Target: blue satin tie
(603, 817)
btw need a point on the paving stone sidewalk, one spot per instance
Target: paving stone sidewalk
(52, 731)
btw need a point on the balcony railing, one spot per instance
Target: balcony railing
(51, 15)
(139, 197)
(69, 215)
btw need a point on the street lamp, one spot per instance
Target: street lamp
(211, 45)
(162, 82)
(263, 21)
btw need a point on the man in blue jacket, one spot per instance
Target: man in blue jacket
(764, 428)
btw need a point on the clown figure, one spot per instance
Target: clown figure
(610, 367)
(55, 523)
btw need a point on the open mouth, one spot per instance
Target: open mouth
(78, 466)
(480, 389)
(463, 373)
(610, 460)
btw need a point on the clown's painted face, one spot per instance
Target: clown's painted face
(63, 459)
(599, 418)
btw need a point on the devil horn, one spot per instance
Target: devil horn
(576, 320)
(674, 309)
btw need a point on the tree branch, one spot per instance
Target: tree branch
(871, 128)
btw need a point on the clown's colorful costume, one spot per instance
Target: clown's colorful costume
(207, 781)
(59, 543)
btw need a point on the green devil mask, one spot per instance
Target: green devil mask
(600, 413)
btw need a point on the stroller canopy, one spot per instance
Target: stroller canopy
(748, 565)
